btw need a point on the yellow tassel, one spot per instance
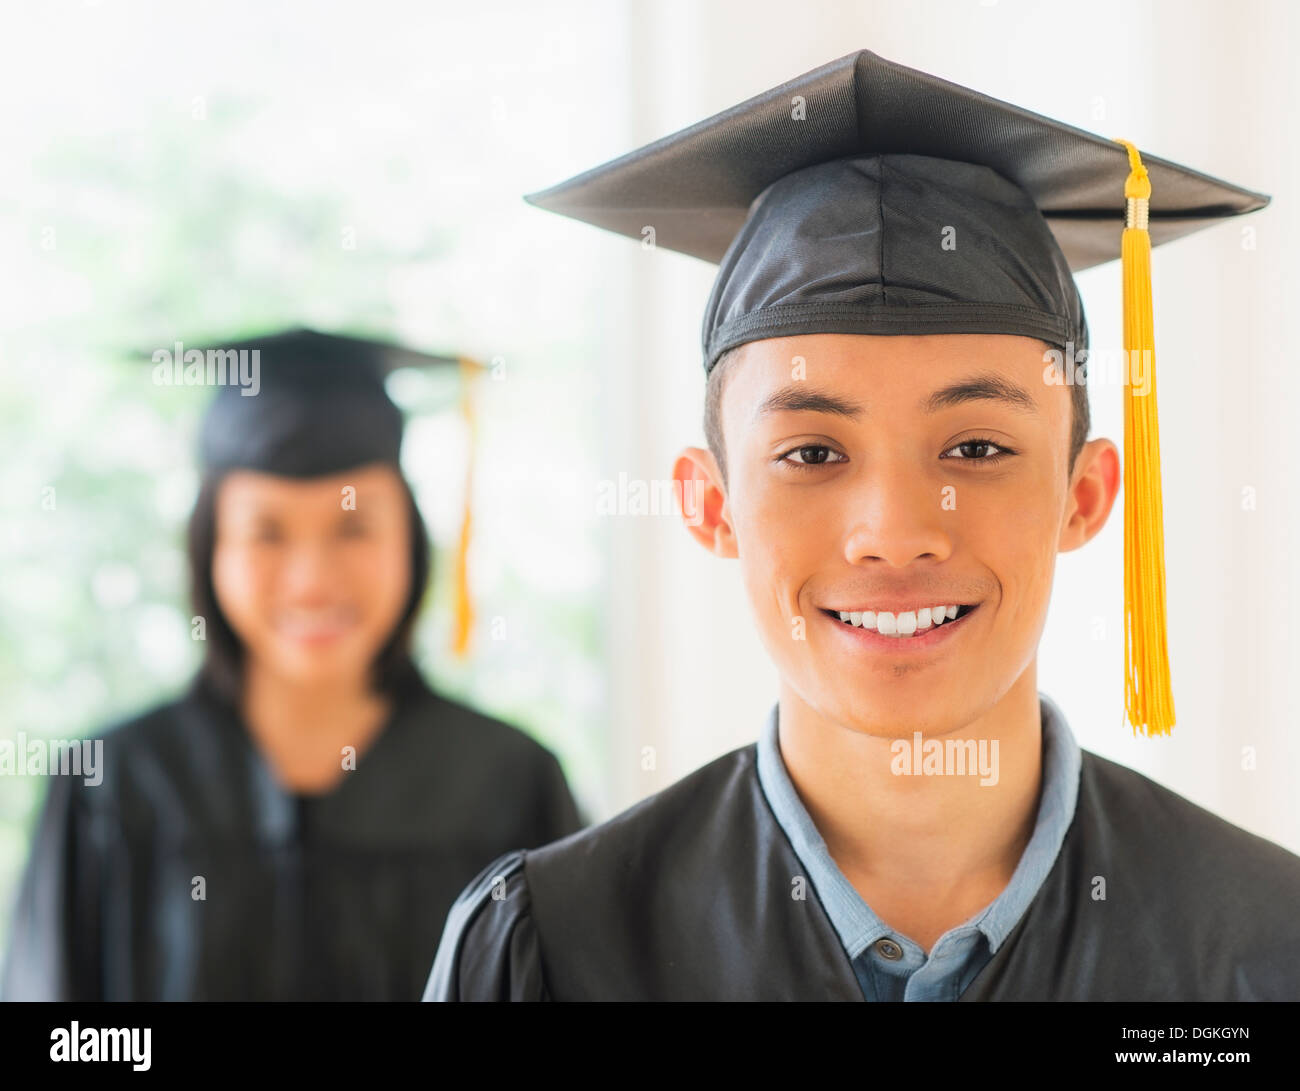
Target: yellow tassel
(463, 608)
(1148, 692)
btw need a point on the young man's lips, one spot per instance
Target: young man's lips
(921, 640)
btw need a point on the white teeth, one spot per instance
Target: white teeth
(904, 623)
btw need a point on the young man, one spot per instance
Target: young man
(895, 466)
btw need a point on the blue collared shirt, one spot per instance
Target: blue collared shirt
(961, 952)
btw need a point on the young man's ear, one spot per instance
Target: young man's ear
(697, 480)
(1093, 488)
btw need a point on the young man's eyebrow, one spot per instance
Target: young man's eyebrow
(798, 398)
(988, 386)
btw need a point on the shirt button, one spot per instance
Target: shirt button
(887, 948)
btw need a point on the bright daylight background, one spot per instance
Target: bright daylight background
(179, 171)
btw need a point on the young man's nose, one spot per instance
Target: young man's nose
(898, 516)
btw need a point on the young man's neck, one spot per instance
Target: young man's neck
(302, 729)
(926, 849)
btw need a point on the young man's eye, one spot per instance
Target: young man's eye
(977, 450)
(811, 454)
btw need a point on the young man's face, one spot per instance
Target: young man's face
(853, 485)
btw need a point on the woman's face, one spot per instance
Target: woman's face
(313, 575)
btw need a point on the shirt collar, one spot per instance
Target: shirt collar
(854, 921)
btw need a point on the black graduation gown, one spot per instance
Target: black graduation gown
(336, 896)
(688, 896)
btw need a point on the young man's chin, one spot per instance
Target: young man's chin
(898, 716)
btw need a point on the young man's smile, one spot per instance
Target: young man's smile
(905, 632)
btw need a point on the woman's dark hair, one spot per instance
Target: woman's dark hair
(394, 672)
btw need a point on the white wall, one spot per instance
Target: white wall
(1207, 84)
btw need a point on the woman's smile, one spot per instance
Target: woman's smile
(316, 625)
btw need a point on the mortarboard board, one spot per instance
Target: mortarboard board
(312, 404)
(304, 403)
(824, 200)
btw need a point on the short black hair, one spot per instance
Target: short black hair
(221, 674)
(1080, 425)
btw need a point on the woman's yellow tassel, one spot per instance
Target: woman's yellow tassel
(1148, 692)
(463, 622)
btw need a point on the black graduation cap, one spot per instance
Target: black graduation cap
(304, 403)
(867, 197)
(309, 403)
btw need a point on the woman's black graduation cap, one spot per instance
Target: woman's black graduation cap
(310, 404)
(316, 404)
(867, 197)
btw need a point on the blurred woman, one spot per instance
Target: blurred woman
(298, 824)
